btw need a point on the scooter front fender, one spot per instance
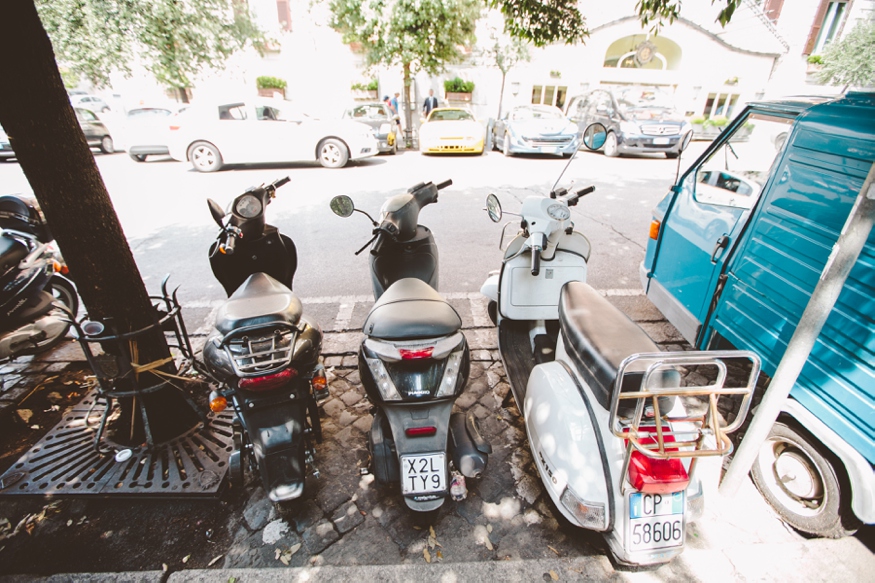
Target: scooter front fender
(490, 286)
(568, 447)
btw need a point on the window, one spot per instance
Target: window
(549, 95)
(236, 111)
(720, 105)
(828, 21)
(734, 174)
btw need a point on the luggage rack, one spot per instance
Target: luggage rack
(686, 437)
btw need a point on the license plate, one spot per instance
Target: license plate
(660, 141)
(656, 521)
(423, 474)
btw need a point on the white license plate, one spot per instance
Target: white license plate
(423, 474)
(656, 521)
(660, 141)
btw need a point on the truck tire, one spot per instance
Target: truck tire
(801, 485)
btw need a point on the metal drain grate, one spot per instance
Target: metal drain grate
(64, 462)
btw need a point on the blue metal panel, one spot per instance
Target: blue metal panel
(775, 268)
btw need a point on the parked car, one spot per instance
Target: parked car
(535, 129)
(147, 131)
(90, 102)
(378, 116)
(640, 120)
(95, 132)
(451, 130)
(6, 152)
(265, 130)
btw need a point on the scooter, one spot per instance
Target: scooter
(264, 353)
(37, 303)
(612, 431)
(414, 361)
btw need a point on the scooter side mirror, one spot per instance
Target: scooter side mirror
(685, 141)
(342, 205)
(216, 211)
(493, 208)
(594, 136)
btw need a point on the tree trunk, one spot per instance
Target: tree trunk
(501, 94)
(36, 113)
(408, 113)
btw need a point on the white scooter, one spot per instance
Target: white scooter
(612, 431)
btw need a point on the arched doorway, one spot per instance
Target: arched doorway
(642, 51)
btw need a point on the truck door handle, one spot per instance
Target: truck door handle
(722, 242)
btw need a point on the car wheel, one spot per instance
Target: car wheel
(138, 157)
(672, 155)
(205, 157)
(800, 484)
(106, 145)
(104, 110)
(333, 153)
(505, 146)
(611, 149)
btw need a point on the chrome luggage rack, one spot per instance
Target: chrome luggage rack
(260, 349)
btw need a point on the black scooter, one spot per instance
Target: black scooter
(264, 354)
(31, 285)
(414, 360)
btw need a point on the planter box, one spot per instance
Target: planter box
(365, 95)
(272, 92)
(459, 97)
(814, 68)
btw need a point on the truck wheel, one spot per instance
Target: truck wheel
(801, 485)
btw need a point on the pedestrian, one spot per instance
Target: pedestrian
(397, 111)
(430, 103)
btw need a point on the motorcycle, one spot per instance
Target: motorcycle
(264, 353)
(414, 360)
(614, 434)
(37, 303)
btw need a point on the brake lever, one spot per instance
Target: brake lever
(368, 244)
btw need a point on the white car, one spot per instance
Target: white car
(147, 130)
(264, 130)
(90, 102)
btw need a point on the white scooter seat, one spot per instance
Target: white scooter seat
(260, 300)
(598, 337)
(410, 310)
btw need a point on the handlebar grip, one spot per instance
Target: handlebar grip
(444, 184)
(536, 261)
(378, 243)
(281, 182)
(227, 248)
(585, 191)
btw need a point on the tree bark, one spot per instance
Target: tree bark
(36, 113)
(408, 113)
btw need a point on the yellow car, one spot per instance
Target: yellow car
(450, 130)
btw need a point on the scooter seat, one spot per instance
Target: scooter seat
(260, 300)
(598, 337)
(11, 253)
(409, 310)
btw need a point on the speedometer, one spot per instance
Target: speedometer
(248, 206)
(559, 212)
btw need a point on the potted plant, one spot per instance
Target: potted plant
(815, 63)
(271, 86)
(365, 90)
(458, 90)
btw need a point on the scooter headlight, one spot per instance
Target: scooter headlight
(383, 380)
(589, 514)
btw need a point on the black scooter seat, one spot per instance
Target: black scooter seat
(11, 253)
(409, 310)
(598, 337)
(260, 300)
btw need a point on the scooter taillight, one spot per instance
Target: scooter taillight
(657, 476)
(417, 354)
(268, 382)
(420, 431)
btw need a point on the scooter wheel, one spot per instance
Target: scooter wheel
(492, 310)
(237, 461)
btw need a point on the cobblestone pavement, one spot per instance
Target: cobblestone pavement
(347, 520)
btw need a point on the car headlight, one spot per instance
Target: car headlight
(385, 128)
(628, 127)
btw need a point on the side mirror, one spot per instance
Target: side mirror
(594, 136)
(493, 208)
(342, 206)
(685, 141)
(216, 211)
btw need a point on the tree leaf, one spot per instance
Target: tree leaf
(553, 575)
(215, 560)
(488, 543)
(185, 559)
(295, 549)
(25, 414)
(427, 555)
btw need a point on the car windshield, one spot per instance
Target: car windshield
(524, 113)
(646, 103)
(450, 115)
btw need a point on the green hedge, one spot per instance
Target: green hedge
(458, 85)
(266, 82)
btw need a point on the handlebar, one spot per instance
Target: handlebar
(227, 248)
(444, 184)
(280, 182)
(536, 261)
(573, 199)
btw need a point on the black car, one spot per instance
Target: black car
(639, 119)
(95, 132)
(378, 116)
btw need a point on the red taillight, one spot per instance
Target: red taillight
(416, 354)
(174, 128)
(657, 476)
(420, 431)
(268, 382)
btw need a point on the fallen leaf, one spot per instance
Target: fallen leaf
(185, 559)
(277, 554)
(25, 414)
(431, 532)
(431, 542)
(284, 559)
(295, 549)
(164, 567)
(553, 575)
(488, 543)
(214, 561)
(488, 528)
(440, 555)
(69, 523)
(554, 550)
(54, 397)
(427, 555)
(34, 426)
(232, 580)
